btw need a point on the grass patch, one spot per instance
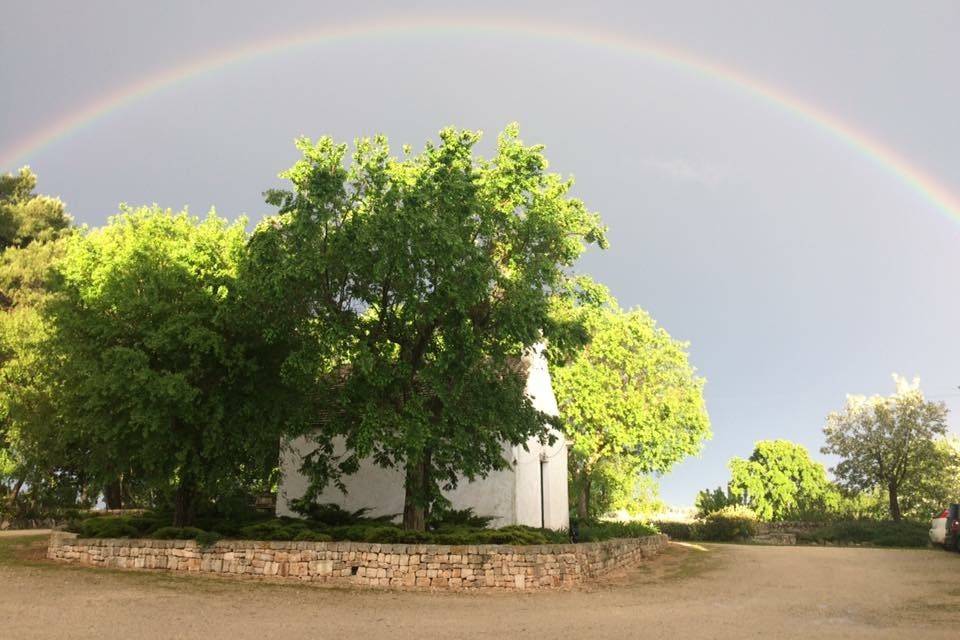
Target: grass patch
(23, 550)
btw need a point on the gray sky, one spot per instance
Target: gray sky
(798, 269)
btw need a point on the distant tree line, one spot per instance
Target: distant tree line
(896, 460)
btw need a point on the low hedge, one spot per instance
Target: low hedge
(597, 531)
(686, 531)
(905, 533)
(457, 530)
(729, 524)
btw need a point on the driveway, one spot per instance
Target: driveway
(712, 591)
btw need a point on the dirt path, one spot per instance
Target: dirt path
(719, 591)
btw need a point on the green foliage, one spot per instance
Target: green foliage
(617, 486)
(780, 482)
(630, 402)
(361, 530)
(108, 528)
(276, 529)
(905, 533)
(712, 501)
(938, 485)
(37, 471)
(176, 533)
(311, 536)
(331, 514)
(410, 288)
(861, 505)
(453, 518)
(729, 524)
(680, 530)
(599, 530)
(887, 442)
(25, 217)
(161, 371)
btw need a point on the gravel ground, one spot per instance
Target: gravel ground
(712, 591)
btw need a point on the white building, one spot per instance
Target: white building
(532, 491)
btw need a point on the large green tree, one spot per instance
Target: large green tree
(160, 372)
(628, 400)
(413, 286)
(33, 229)
(779, 481)
(924, 494)
(887, 442)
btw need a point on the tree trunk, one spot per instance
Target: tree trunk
(15, 493)
(583, 500)
(184, 503)
(894, 503)
(417, 492)
(113, 495)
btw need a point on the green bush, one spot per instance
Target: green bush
(278, 529)
(680, 530)
(333, 515)
(454, 528)
(312, 536)
(596, 531)
(207, 538)
(905, 533)
(117, 527)
(203, 538)
(729, 524)
(176, 533)
(458, 518)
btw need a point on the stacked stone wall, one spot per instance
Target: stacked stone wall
(499, 567)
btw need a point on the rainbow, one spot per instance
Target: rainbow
(859, 141)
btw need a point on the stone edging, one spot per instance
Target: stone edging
(369, 564)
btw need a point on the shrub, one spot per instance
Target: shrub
(712, 501)
(203, 538)
(312, 536)
(278, 529)
(107, 527)
(207, 538)
(176, 533)
(729, 523)
(680, 530)
(905, 533)
(596, 531)
(333, 515)
(452, 518)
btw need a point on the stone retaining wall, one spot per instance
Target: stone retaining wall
(368, 564)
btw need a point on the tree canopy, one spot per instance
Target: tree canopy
(628, 400)
(887, 442)
(33, 229)
(160, 376)
(779, 481)
(416, 285)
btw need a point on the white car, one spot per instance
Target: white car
(938, 527)
(945, 528)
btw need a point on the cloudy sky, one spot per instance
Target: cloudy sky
(797, 266)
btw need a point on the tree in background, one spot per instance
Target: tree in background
(779, 481)
(629, 400)
(414, 286)
(158, 371)
(33, 229)
(708, 501)
(620, 487)
(888, 442)
(927, 493)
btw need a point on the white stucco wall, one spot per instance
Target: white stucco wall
(512, 496)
